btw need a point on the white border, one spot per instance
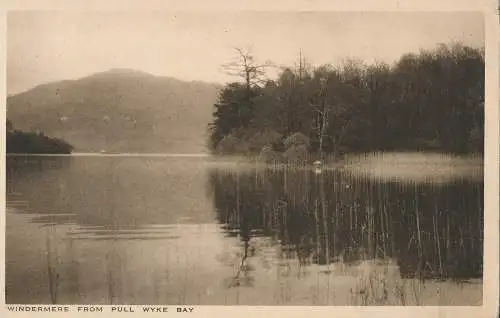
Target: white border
(491, 242)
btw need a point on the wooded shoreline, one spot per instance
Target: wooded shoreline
(430, 101)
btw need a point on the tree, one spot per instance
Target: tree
(377, 83)
(230, 113)
(433, 100)
(322, 108)
(245, 67)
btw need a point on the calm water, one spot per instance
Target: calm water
(137, 230)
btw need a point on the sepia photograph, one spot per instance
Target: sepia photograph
(257, 158)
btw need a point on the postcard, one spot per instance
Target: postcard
(256, 160)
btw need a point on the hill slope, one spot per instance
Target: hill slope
(119, 111)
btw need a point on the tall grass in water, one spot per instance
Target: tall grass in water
(52, 274)
(404, 235)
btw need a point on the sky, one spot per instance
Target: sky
(50, 46)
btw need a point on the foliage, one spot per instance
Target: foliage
(433, 100)
(34, 143)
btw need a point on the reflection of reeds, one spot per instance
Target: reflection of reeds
(437, 239)
(53, 276)
(184, 286)
(419, 238)
(242, 267)
(323, 218)
(110, 281)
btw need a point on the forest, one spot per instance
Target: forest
(432, 100)
(20, 142)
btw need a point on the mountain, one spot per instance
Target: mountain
(119, 110)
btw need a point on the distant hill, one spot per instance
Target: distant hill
(119, 110)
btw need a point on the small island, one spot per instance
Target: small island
(430, 101)
(20, 142)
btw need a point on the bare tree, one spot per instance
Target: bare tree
(246, 67)
(322, 107)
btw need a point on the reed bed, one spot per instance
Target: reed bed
(433, 232)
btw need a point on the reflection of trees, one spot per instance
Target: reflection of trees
(242, 275)
(433, 231)
(39, 182)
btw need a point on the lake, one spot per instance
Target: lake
(379, 230)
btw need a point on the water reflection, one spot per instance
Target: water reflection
(108, 192)
(119, 230)
(431, 230)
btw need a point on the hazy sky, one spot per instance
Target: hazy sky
(49, 46)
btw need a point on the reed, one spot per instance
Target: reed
(339, 215)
